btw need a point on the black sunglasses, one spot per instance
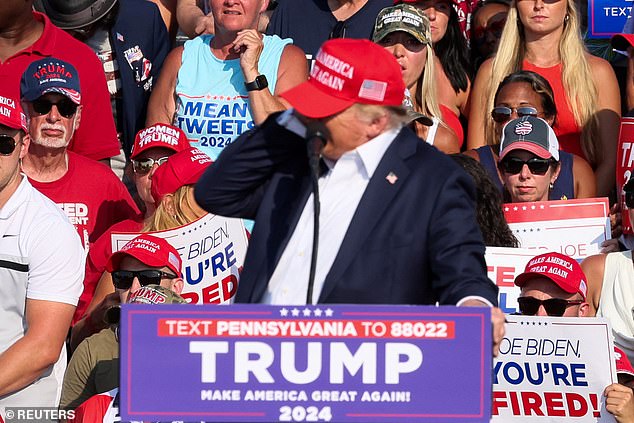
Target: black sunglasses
(65, 107)
(554, 306)
(514, 165)
(143, 166)
(503, 114)
(339, 30)
(122, 279)
(7, 145)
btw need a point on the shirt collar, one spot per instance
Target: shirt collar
(372, 151)
(16, 199)
(44, 45)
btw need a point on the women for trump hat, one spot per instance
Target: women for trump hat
(532, 134)
(348, 71)
(159, 135)
(149, 250)
(183, 168)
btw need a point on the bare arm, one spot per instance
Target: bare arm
(585, 184)
(104, 298)
(292, 71)
(593, 267)
(191, 19)
(162, 104)
(478, 104)
(609, 116)
(39, 348)
(446, 141)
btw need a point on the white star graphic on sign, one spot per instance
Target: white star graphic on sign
(523, 207)
(295, 312)
(306, 312)
(515, 208)
(284, 312)
(328, 312)
(541, 207)
(317, 312)
(532, 207)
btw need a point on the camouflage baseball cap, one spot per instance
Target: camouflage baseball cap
(402, 17)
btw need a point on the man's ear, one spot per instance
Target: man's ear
(78, 117)
(177, 285)
(24, 145)
(584, 309)
(168, 204)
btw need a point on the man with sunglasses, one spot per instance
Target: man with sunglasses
(89, 192)
(552, 284)
(41, 269)
(145, 262)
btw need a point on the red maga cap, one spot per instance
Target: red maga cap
(150, 250)
(183, 168)
(564, 271)
(159, 135)
(623, 364)
(348, 71)
(622, 41)
(11, 114)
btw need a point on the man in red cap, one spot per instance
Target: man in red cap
(553, 284)
(146, 270)
(397, 216)
(41, 271)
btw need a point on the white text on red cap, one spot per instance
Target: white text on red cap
(551, 259)
(143, 244)
(322, 74)
(158, 133)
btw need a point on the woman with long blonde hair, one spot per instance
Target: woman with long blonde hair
(544, 37)
(404, 31)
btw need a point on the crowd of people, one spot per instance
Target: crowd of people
(422, 117)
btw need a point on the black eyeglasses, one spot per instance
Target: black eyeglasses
(122, 279)
(554, 306)
(339, 30)
(65, 107)
(7, 145)
(514, 165)
(143, 166)
(503, 114)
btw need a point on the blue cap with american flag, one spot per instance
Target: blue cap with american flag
(50, 75)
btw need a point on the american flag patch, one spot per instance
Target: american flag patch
(523, 128)
(373, 90)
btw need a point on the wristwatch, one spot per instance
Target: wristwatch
(258, 84)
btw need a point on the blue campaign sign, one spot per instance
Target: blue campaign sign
(318, 363)
(607, 17)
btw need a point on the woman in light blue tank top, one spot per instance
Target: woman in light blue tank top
(216, 87)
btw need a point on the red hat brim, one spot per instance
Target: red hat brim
(312, 102)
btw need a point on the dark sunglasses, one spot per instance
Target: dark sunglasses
(502, 114)
(65, 107)
(553, 306)
(122, 279)
(7, 145)
(495, 29)
(339, 30)
(143, 166)
(514, 165)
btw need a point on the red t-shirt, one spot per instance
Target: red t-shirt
(92, 196)
(567, 131)
(96, 136)
(100, 252)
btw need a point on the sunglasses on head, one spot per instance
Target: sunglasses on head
(514, 165)
(339, 30)
(143, 166)
(65, 107)
(7, 145)
(122, 279)
(555, 307)
(503, 114)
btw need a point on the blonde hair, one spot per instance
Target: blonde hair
(397, 115)
(578, 84)
(162, 219)
(425, 98)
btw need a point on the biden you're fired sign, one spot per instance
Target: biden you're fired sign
(212, 249)
(553, 369)
(258, 363)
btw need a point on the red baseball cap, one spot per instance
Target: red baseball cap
(183, 168)
(622, 41)
(623, 364)
(348, 71)
(150, 250)
(564, 271)
(159, 135)
(11, 114)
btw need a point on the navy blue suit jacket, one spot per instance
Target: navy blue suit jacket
(414, 241)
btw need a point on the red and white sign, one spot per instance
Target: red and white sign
(624, 167)
(503, 265)
(572, 227)
(553, 369)
(212, 249)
